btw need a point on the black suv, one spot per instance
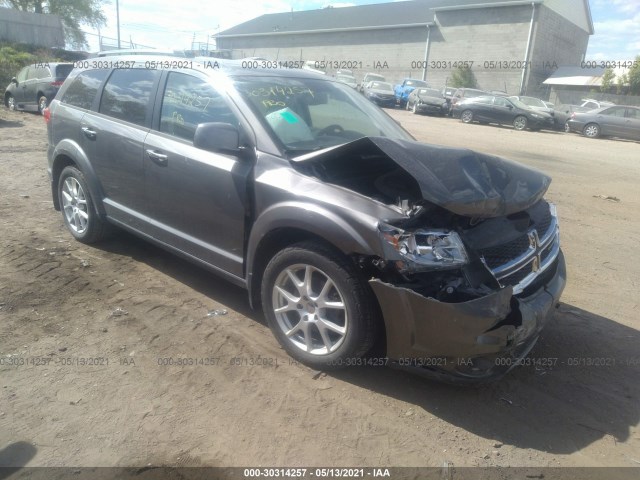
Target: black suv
(35, 86)
(297, 188)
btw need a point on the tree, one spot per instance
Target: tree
(73, 13)
(463, 77)
(633, 77)
(607, 80)
(623, 80)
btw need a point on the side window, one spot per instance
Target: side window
(633, 113)
(127, 93)
(189, 101)
(83, 88)
(500, 102)
(615, 111)
(22, 75)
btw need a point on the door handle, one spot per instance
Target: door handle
(90, 134)
(159, 158)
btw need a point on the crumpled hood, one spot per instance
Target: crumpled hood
(462, 181)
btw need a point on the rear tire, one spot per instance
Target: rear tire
(78, 210)
(520, 122)
(591, 130)
(414, 109)
(10, 102)
(42, 104)
(318, 306)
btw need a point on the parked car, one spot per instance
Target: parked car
(380, 93)
(35, 86)
(344, 228)
(595, 104)
(562, 114)
(462, 94)
(447, 93)
(370, 77)
(501, 110)
(618, 121)
(403, 90)
(427, 100)
(347, 79)
(535, 103)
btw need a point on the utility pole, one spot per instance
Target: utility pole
(118, 21)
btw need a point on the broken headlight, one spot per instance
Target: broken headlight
(422, 249)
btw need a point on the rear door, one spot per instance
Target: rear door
(197, 199)
(632, 123)
(117, 133)
(612, 121)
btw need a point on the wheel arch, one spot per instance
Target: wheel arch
(285, 225)
(67, 154)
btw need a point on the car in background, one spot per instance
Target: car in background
(503, 111)
(347, 79)
(141, 51)
(592, 104)
(380, 93)
(447, 93)
(371, 77)
(427, 100)
(403, 90)
(562, 114)
(617, 121)
(35, 86)
(462, 94)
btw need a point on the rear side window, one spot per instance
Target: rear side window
(127, 93)
(189, 101)
(62, 71)
(83, 88)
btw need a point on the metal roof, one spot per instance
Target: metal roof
(377, 16)
(576, 76)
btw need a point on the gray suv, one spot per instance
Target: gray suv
(35, 86)
(363, 246)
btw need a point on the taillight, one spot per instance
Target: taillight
(57, 83)
(46, 113)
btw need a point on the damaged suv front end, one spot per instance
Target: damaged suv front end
(460, 249)
(470, 271)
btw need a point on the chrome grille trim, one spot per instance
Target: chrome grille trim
(533, 259)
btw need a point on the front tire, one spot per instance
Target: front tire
(520, 122)
(567, 128)
(414, 109)
(78, 210)
(318, 306)
(592, 130)
(466, 116)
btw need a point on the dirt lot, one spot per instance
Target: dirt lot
(131, 306)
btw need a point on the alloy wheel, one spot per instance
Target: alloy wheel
(310, 309)
(74, 204)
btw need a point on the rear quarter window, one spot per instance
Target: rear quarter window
(127, 94)
(83, 89)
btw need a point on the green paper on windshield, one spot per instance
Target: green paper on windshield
(289, 117)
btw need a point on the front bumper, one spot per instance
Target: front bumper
(429, 108)
(466, 342)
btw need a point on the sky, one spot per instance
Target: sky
(169, 24)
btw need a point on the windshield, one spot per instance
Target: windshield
(381, 86)
(346, 78)
(415, 83)
(533, 102)
(371, 77)
(429, 92)
(519, 104)
(473, 93)
(307, 114)
(63, 70)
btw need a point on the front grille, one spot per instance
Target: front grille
(519, 262)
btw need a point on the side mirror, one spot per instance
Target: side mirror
(217, 137)
(510, 107)
(14, 80)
